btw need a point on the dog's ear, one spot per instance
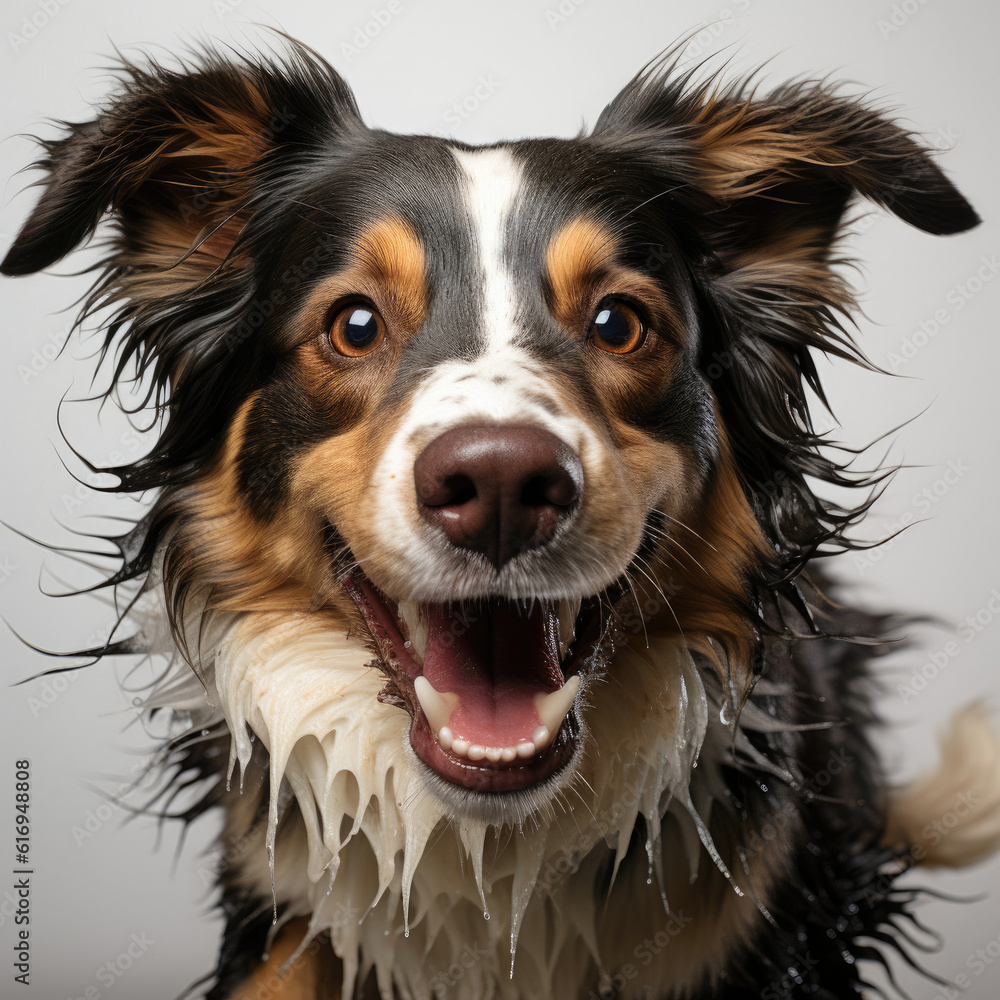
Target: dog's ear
(177, 158)
(756, 187)
(776, 172)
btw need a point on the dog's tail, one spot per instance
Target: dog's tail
(952, 815)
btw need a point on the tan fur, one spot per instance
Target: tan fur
(313, 974)
(952, 815)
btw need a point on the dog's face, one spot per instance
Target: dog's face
(484, 411)
(480, 463)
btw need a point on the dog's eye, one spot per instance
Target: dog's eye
(617, 327)
(356, 329)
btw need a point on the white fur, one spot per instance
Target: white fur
(394, 874)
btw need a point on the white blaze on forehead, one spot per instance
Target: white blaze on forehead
(502, 383)
(493, 181)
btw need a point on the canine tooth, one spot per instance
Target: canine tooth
(552, 708)
(541, 737)
(508, 754)
(525, 749)
(460, 747)
(566, 614)
(446, 737)
(495, 753)
(409, 611)
(476, 752)
(437, 706)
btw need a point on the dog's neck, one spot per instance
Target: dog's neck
(385, 862)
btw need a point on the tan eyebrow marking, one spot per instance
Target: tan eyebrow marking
(391, 252)
(578, 256)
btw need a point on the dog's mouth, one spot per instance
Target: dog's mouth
(491, 686)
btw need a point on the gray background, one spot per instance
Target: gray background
(538, 71)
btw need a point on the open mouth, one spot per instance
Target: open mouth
(490, 686)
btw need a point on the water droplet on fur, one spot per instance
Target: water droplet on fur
(724, 716)
(137, 703)
(407, 644)
(763, 787)
(486, 914)
(253, 736)
(204, 732)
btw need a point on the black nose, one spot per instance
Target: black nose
(497, 489)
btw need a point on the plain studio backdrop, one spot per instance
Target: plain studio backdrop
(113, 915)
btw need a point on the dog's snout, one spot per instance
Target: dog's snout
(497, 489)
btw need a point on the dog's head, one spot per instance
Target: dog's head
(504, 415)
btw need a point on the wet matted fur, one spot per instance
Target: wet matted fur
(486, 535)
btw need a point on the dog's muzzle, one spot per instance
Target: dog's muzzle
(497, 489)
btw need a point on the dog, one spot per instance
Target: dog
(486, 547)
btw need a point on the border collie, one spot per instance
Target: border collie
(487, 530)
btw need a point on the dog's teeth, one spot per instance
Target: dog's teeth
(552, 708)
(566, 614)
(495, 753)
(437, 706)
(525, 749)
(508, 754)
(409, 611)
(476, 752)
(461, 747)
(446, 737)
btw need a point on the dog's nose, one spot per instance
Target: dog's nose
(497, 489)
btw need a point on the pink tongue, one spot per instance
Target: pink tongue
(496, 658)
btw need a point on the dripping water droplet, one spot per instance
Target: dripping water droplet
(486, 914)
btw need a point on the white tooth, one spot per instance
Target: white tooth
(476, 752)
(508, 754)
(495, 753)
(541, 738)
(437, 706)
(446, 737)
(460, 747)
(552, 708)
(409, 611)
(525, 749)
(566, 614)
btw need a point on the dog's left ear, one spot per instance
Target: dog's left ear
(760, 185)
(775, 173)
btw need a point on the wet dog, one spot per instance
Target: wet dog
(486, 530)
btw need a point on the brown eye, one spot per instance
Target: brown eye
(356, 329)
(617, 327)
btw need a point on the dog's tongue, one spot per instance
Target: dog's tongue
(493, 660)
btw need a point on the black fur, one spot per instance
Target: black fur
(320, 173)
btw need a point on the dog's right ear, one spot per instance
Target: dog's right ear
(177, 158)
